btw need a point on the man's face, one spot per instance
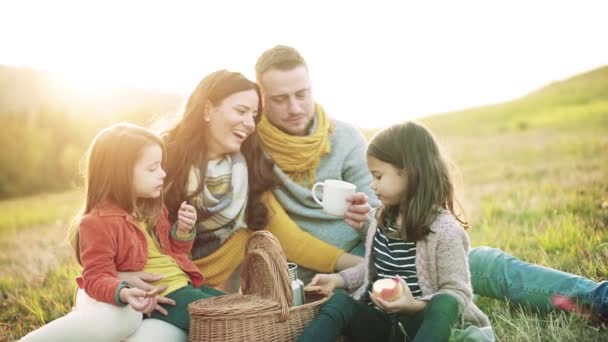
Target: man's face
(288, 101)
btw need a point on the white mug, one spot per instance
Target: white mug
(334, 195)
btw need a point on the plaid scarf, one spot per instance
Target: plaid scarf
(224, 197)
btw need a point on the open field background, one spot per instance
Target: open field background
(534, 182)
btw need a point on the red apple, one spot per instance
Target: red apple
(389, 289)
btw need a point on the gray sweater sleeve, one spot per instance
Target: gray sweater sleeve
(357, 277)
(452, 263)
(354, 277)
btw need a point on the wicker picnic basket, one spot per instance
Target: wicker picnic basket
(263, 312)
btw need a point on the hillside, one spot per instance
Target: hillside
(47, 122)
(581, 100)
(24, 90)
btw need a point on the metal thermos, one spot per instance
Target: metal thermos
(297, 286)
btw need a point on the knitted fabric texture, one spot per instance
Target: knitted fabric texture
(346, 161)
(298, 156)
(441, 265)
(224, 197)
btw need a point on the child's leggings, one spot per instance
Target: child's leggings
(90, 321)
(178, 314)
(343, 315)
(93, 321)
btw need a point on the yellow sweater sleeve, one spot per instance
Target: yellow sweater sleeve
(299, 246)
(218, 266)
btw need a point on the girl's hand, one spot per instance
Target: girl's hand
(163, 300)
(326, 282)
(138, 299)
(186, 218)
(405, 304)
(145, 302)
(357, 211)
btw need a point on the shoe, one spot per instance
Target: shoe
(588, 313)
(599, 301)
(568, 304)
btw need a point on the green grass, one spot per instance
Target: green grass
(37, 269)
(533, 181)
(39, 210)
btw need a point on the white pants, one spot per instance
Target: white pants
(94, 321)
(90, 321)
(156, 330)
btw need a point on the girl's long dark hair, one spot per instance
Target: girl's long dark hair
(186, 145)
(411, 147)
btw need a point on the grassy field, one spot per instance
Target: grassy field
(534, 182)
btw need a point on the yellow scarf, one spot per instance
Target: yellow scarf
(298, 156)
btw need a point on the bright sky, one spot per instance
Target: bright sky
(372, 63)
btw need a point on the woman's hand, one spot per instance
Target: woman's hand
(326, 282)
(186, 218)
(141, 280)
(357, 211)
(406, 304)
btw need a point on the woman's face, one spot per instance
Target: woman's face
(231, 122)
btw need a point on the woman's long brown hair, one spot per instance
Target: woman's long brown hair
(411, 147)
(187, 147)
(108, 172)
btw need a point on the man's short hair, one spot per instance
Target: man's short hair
(280, 57)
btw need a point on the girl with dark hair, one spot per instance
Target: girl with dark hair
(417, 239)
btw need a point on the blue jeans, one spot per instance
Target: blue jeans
(496, 274)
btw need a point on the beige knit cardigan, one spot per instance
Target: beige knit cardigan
(442, 266)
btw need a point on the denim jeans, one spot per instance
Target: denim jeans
(359, 322)
(496, 274)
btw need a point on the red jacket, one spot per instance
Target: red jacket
(111, 241)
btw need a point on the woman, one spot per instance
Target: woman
(215, 162)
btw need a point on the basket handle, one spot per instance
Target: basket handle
(280, 277)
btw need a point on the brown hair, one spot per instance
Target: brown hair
(279, 57)
(411, 147)
(108, 172)
(186, 145)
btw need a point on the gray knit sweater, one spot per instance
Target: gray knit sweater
(347, 162)
(441, 266)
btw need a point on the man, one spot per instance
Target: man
(307, 147)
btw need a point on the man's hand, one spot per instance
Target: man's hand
(357, 211)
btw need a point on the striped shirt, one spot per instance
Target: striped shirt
(395, 257)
